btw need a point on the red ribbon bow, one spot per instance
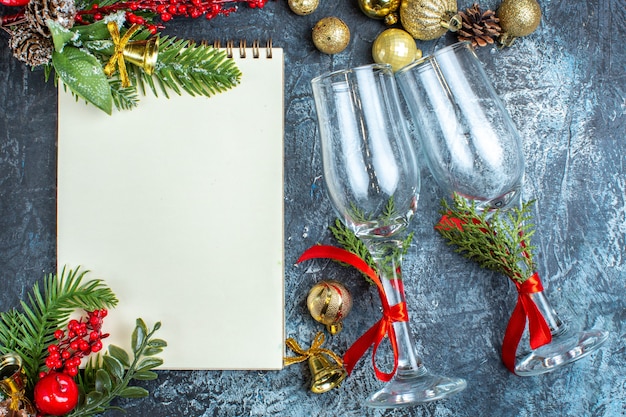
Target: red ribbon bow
(383, 327)
(537, 327)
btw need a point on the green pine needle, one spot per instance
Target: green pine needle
(29, 332)
(183, 66)
(495, 242)
(350, 242)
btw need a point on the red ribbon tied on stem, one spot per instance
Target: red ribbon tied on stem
(538, 329)
(376, 333)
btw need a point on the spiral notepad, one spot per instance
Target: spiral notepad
(178, 206)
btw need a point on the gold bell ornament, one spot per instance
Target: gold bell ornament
(326, 367)
(329, 302)
(429, 19)
(381, 9)
(144, 54)
(13, 384)
(395, 47)
(517, 18)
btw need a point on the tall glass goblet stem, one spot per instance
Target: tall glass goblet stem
(412, 383)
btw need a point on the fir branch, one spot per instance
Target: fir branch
(499, 243)
(109, 375)
(29, 332)
(185, 66)
(350, 242)
(124, 98)
(389, 212)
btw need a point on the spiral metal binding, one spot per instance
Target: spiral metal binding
(243, 47)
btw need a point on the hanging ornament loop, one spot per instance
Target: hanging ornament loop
(384, 327)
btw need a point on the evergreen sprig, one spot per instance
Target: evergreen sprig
(350, 242)
(197, 69)
(30, 331)
(108, 376)
(496, 242)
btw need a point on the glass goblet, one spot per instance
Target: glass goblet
(373, 182)
(473, 149)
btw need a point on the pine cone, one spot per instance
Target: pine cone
(39, 11)
(30, 47)
(478, 27)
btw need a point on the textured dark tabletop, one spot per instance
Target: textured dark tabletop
(565, 86)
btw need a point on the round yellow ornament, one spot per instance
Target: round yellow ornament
(395, 47)
(303, 7)
(518, 18)
(331, 35)
(329, 302)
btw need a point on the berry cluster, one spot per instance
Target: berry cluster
(83, 337)
(165, 9)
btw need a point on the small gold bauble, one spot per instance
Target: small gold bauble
(329, 302)
(331, 35)
(429, 19)
(303, 7)
(381, 9)
(395, 47)
(518, 18)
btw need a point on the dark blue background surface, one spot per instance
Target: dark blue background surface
(565, 88)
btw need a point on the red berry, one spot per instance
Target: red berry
(166, 17)
(56, 394)
(59, 334)
(96, 347)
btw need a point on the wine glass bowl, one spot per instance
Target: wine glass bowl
(373, 181)
(471, 144)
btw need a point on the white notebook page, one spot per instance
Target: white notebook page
(178, 206)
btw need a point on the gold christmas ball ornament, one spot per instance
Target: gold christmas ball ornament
(517, 18)
(331, 35)
(395, 47)
(303, 7)
(429, 19)
(329, 302)
(381, 9)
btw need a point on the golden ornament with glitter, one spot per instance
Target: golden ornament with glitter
(395, 47)
(517, 18)
(331, 35)
(329, 302)
(381, 9)
(303, 7)
(429, 19)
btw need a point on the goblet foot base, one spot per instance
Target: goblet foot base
(565, 348)
(404, 391)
